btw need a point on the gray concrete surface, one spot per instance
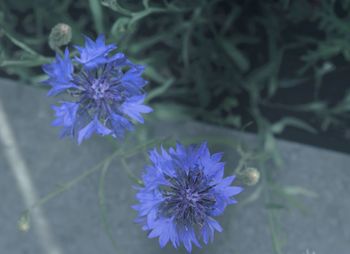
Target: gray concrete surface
(73, 218)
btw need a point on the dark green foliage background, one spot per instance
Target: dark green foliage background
(219, 61)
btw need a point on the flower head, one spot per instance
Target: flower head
(105, 91)
(184, 189)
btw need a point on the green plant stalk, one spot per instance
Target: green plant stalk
(97, 14)
(68, 185)
(102, 205)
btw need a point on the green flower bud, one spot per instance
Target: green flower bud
(60, 35)
(250, 176)
(23, 223)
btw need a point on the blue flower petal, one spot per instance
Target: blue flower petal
(93, 127)
(60, 74)
(65, 114)
(94, 53)
(120, 125)
(133, 107)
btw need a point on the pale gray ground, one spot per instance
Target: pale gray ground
(74, 216)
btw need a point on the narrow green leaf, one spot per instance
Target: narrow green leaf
(298, 190)
(233, 120)
(120, 26)
(289, 83)
(25, 63)
(201, 85)
(278, 127)
(170, 112)
(316, 106)
(159, 90)
(154, 75)
(136, 16)
(145, 3)
(115, 6)
(19, 43)
(272, 85)
(229, 103)
(96, 10)
(261, 74)
(235, 54)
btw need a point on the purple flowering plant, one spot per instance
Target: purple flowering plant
(184, 190)
(105, 91)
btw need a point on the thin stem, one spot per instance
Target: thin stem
(68, 185)
(65, 187)
(97, 15)
(129, 172)
(102, 204)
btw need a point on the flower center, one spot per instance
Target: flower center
(189, 198)
(99, 89)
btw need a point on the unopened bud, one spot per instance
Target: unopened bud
(60, 35)
(250, 176)
(23, 223)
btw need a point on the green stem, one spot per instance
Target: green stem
(276, 243)
(102, 203)
(97, 15)
(25, 63)
(130, 174)
(65, 187)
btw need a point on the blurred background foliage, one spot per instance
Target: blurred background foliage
(232, 63)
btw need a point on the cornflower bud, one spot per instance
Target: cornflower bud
(250, 176)
(60, 35)
(23, 223)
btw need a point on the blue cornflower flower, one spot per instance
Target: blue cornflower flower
(183, 191)
(105, 91)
